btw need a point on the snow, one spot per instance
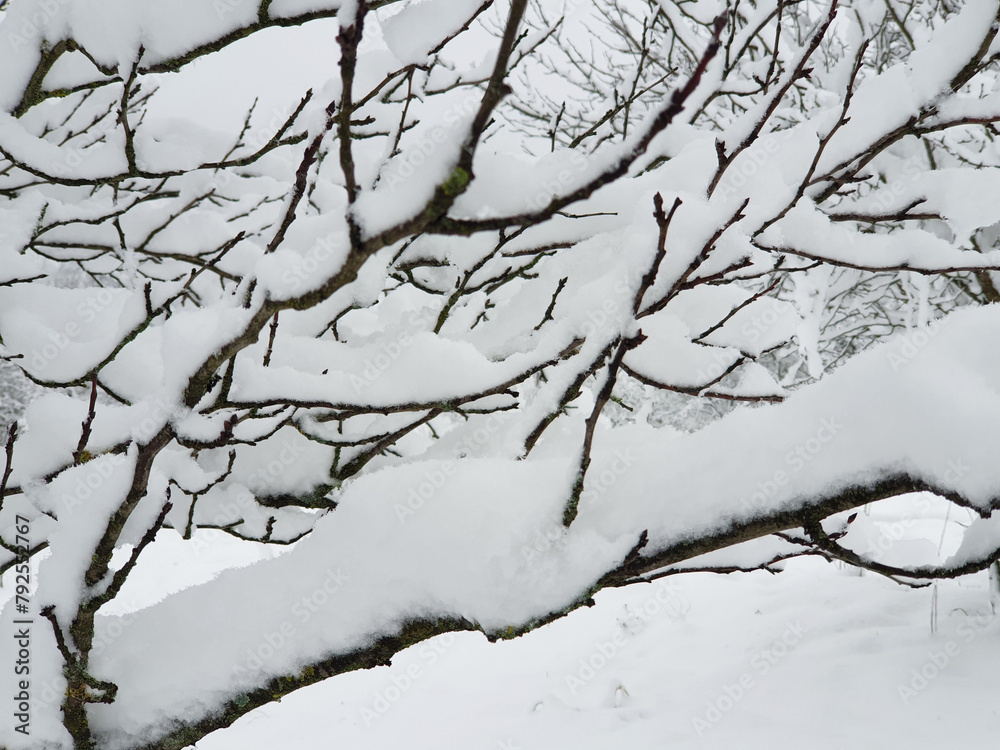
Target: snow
(960, 198)
(385, 523)
(437, 20)
(672, 663)
(409, 368)
(805, 230)
(100, 160)
(886, 101)
(335, 551)
(814, 647)
(163, 30)
(181, 344)
(79, 328)
(463, 517)
(669, 356)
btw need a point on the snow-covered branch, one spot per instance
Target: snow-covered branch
(391, 317)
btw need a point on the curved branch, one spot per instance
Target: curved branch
(826, 543)
(770, 522)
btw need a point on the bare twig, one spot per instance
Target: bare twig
(80, 453)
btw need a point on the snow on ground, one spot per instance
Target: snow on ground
(812, 658)
(816, 657)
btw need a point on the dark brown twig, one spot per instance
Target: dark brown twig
(663, 222)
(81, 448)
(9, 450)
(270, 340)
(573, 503)
(118, 579)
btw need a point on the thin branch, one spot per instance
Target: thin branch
(603, 396)
(349, 38)
(118, 579)
(88, 423)
(270, 340)
(663, 222)
(9, 467)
